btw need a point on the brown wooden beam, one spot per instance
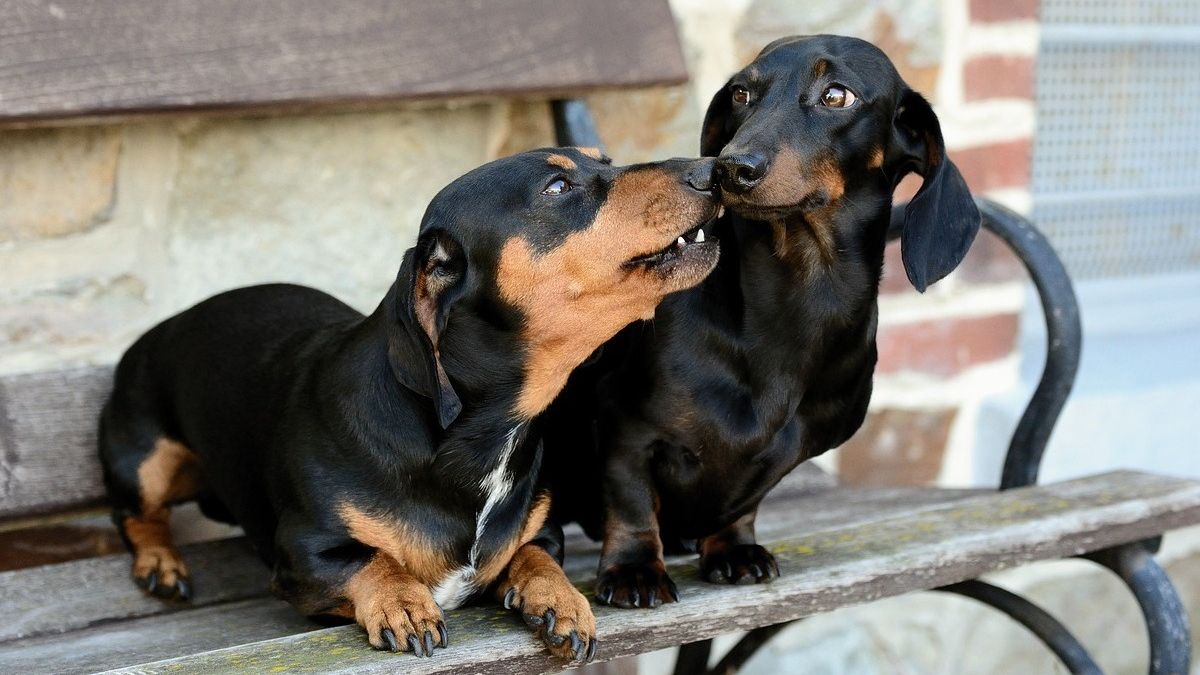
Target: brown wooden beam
(100, 58)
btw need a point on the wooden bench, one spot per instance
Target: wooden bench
(837, 545)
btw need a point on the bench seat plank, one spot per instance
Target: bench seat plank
(69, 596)
(75, 58)
(48, 423)
(153, 638)
(881, 548)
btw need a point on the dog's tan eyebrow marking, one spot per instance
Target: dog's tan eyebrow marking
(594, 153)
(562, 161)
(820, 67)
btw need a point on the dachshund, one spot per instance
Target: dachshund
(386, 467)
(685, 423)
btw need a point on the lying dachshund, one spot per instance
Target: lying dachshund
(768, 362)
(385, 466)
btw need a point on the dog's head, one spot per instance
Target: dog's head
(826, 123)
(557, 247)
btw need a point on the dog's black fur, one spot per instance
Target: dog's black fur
(769, 361)
(358, 453)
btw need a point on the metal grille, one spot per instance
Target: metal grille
(1116, 159)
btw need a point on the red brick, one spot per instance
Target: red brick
(988, 261)
(897, 447)
(990, 167)
(998, 76)
(947, 346)
(1003, 10)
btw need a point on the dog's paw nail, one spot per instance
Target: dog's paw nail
(591, 652)
(150, 583)
(508, 598)
(550, 618)
(445, 641)
(183, 589)
(389, 637)
(429, 643)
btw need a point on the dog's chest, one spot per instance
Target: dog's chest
(483, 562)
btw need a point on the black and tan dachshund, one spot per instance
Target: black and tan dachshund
(386, 466)
(693, 418)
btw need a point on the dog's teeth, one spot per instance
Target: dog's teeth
(681, 241)
(699, 236)
(720, 210)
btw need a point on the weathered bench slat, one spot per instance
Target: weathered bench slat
(74, 58)
(48, 439)
(826, 566)
(70, 596)
(74, 595)
(115, 645)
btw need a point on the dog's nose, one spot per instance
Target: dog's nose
(700, 175)
(740, 172)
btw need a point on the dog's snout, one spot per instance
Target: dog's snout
(700, 175)
(740, 172)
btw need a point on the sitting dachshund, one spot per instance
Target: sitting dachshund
(385, 466)
(692, 418)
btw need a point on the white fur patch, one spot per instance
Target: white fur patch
(454, 590)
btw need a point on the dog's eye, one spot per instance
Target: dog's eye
(837, 96)
(557, 187)
(741, 95)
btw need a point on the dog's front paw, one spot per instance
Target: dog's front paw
(562, 617)
(740, 564)
(636, 585)
(404, 622)
(160, 571)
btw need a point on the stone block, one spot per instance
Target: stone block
(70, 313)
(649, 124)
(56, 182)
(909, 31)
(330, 201)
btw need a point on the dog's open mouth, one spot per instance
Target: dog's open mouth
(694, 240)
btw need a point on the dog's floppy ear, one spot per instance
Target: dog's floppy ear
(716, 132)
(430, 280)
(942, 220)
